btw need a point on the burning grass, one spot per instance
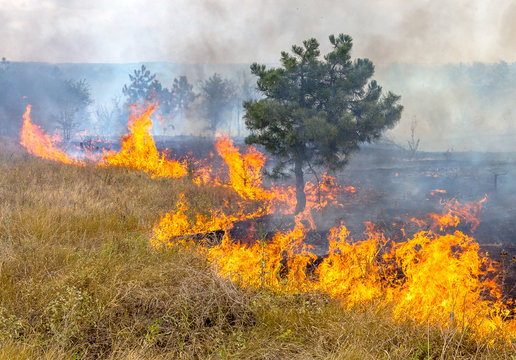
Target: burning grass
(181, 291)
(78, 279)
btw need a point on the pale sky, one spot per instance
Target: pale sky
(243, 31)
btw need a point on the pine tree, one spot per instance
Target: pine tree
(316, 111)
(182, 94)
(217, 94)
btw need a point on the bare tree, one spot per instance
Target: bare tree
(497, 169)
(75, 99)
(67, 122)
(413, 143)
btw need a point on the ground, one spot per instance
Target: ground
(78, 278)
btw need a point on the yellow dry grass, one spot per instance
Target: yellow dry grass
(78, 280)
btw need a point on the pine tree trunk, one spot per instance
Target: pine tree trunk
(300, 187)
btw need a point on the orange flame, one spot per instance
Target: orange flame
(351, 270)
(139, 150)
(280, 264)
(244, 170)
(38, 143)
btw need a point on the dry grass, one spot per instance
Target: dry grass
(79, 280)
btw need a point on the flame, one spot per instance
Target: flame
(82, 133)
(429, 277)
(245, 170)
(454, 212)
(139, 150)
(350, 189)
(351, 271)
(56, 137)
(40, 144)
(443, 282)
(245, 177)
(175, 225)
(280, 264)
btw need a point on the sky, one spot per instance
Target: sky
(244, 31)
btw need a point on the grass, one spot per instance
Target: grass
(78, 280)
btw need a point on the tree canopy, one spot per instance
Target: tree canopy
(217, 94)
(145, 87)
(316, 111)
(182, 94)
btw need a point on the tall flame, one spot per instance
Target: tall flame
(139, 149)
(38, 143)
(244, 170)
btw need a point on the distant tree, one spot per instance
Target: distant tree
(73, 103)
(317, 111)
(182, 95)
(67, 122)
(145, 88)
(111, 119)
(217, 94)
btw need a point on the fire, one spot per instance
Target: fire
(350, 189)
(435, 276)
(454, 212)
(176, 224)
(138, 147)
(40, 144)
(245, 171)
(139, 150)
(351, 270)
(56, 137)
(429, 277)
(280, 264)
(446, 281)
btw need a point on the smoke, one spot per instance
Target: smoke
(243, 31)
(507, 31)
(461, 107)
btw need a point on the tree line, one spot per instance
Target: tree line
(68, 105)
(216, 100)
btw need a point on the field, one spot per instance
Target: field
(79, 279)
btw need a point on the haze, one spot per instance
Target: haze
(243, 31)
